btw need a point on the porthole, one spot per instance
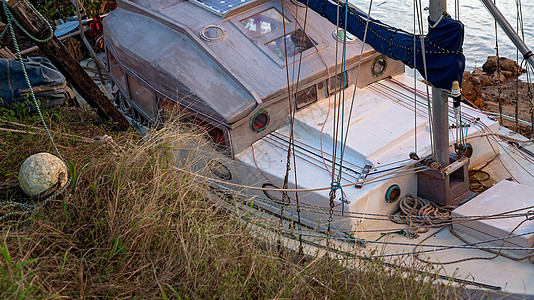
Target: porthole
(219, 169)
(339, 35)
(468, 152)
(259, 121)
(275, 196)
(213, 33)
(393, 193)
(379, 66)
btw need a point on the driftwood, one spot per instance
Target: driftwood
(56, 52)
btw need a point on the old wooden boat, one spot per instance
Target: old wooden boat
(264, 77)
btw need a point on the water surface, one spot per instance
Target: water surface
(479, 40)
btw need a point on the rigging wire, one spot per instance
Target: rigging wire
(423, 49)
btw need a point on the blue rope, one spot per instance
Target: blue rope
(30, 210)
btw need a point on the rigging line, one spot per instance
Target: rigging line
(357, 76)
(498, 69)
(282, 136)
(450, 108)
(304, 147)
(329, 96)
(288, 158)
(303, 156)
(193, 174)
(519, 164)
(437, 247)
(336, 96)
(291, 137)
(387, 217)
(423, 49)
(451, 220)
(415, 78)
(497, 254)
(499, 158)
(310, 154)
(421, 111)
(342, 99)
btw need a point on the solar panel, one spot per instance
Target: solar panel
(220, 7)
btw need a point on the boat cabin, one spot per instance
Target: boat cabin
(222, 63)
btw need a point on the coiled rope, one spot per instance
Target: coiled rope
(421, 214)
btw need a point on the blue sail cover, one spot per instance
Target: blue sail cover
(443, 43)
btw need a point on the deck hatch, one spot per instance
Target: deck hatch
(296, 42)
(264, 22)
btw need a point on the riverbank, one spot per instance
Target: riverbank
(496, 88)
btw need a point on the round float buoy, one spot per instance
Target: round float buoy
(40, 172)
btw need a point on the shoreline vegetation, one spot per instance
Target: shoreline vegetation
(130, 226)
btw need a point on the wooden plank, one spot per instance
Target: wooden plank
(56, 52)
(6, 53)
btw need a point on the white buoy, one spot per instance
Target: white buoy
(40, 172)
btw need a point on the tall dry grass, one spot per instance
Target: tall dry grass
(134, 227)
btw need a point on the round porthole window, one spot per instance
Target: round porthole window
(276, 196)
(213, 33)
(393, 193)
(468, 151)
(219, 169)
(379, 66)
(340, 33)
(259, 121)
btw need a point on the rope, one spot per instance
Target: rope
(16, 207)
(495, 250)
(429, 215)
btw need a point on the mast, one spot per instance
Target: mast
(440, 119)
(450, 184)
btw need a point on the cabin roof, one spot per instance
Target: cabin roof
(230, 77)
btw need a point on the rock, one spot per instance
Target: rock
(470, 86)
(490, 66)
(478, 72)
(507, 74)
(40, 172)
(498, 78)
(479, 102)
(506, 64)
(484, 80)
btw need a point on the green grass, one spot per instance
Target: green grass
(132, 227)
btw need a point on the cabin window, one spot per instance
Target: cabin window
(260, 121)
(116, 71)
(336, 82)
(295, 43)
(219, 135)
(264, 22)
(306, 96)
(379, 66)
(141, 96)
(213, 33)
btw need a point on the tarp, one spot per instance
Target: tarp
(443, 43)
(48, 83)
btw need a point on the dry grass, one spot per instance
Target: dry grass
(132, 226)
